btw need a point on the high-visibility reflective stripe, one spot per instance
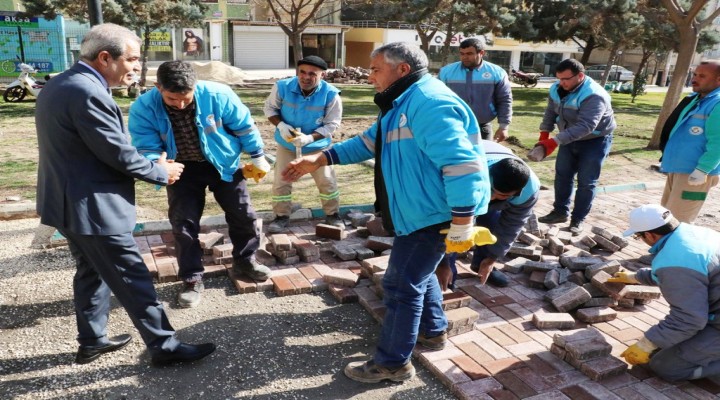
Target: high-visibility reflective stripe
(462, 169)
(399, 134)
(282, 198)
(368, 143)
(243, 132)
(330, 196)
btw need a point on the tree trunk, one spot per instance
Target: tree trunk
(143, 73)
(296, 38)
(609, 64)
(425, 37)
(590, 45)
(688, 43)
(448, 39)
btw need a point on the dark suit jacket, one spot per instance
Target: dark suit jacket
(87, 164)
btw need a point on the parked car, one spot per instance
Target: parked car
(597, 71)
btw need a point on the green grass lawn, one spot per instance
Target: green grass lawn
(635, 123)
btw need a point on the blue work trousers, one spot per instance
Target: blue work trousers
(412, 295)
(583, 159)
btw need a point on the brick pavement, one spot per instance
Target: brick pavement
(495, 351)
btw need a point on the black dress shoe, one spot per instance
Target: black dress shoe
(184, 353)
(88, 354)
(498, 279)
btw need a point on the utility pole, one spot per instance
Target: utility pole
(95, 11)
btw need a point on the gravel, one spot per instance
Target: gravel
(269, 347)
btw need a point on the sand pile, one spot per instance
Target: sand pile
(219, 72)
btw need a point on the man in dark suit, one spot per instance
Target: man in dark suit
(86, 190)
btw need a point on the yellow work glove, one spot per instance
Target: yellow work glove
(257, 170)
(460, 238)
(639, 353)
(624, 277)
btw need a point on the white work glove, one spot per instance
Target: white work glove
(303, 140)
(285, 130)
(697, 178)
(261, 163)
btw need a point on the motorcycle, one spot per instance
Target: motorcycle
(25, 84)
(527, 79)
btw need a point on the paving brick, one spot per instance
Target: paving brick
(301, 284)
(455, 300)
(462, 316)
(626, 303)
(497, 336)
(553, 395)
(640, 292)
(208, 240)
(166, 271)
(343, 251)
(532, 266)
(243, 284)
(280, 242)
(612, 289)
(537, 279)
(552, 279)
(547, 320)
(588, 349)
(627, 335)
(376, 263)
(470, 367)
(474, 389)
(515, 265)
(514, 384)
(618, 381)
(379, 243)
(577, 278)
(532, 379)
(603, 367)
(596, 314)
(610, 267)
(283, 285)
(571, 299)
(562, 339)
(342, 277)
(330, 232)
(448, 372)
(223, 250)
(558, 291)
(594, 390)
(362, 252)
(503, 364)
(343, 294)
(606, 244)
(528, 238)
(525, 348)
(502, 394)
(359, 219)
(600, 302)
(578, 263)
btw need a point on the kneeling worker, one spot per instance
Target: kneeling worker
(686, 267)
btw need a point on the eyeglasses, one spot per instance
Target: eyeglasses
(568, 78)
(639, 235)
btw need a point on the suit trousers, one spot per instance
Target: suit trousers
(186, 199)
(684, 200)
(113, 264)
(325, 181)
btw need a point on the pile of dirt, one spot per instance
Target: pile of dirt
(219, 72)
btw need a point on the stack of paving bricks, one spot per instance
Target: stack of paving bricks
(589, 352)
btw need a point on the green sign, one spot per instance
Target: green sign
(11, 19)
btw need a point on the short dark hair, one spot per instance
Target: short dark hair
(570, 64)
(478, 44)
(176, 76)
(666, 229)
(509, 175)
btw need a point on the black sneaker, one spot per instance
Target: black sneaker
(252, 269)
(553, 218)
(191, 294)
(279, 224)
(335, 220)
(498, 279)
(576, 228)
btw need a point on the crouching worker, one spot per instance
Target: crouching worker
(514, 193)
(686, 267)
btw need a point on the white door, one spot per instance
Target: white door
(216, 42)
(260, 50)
